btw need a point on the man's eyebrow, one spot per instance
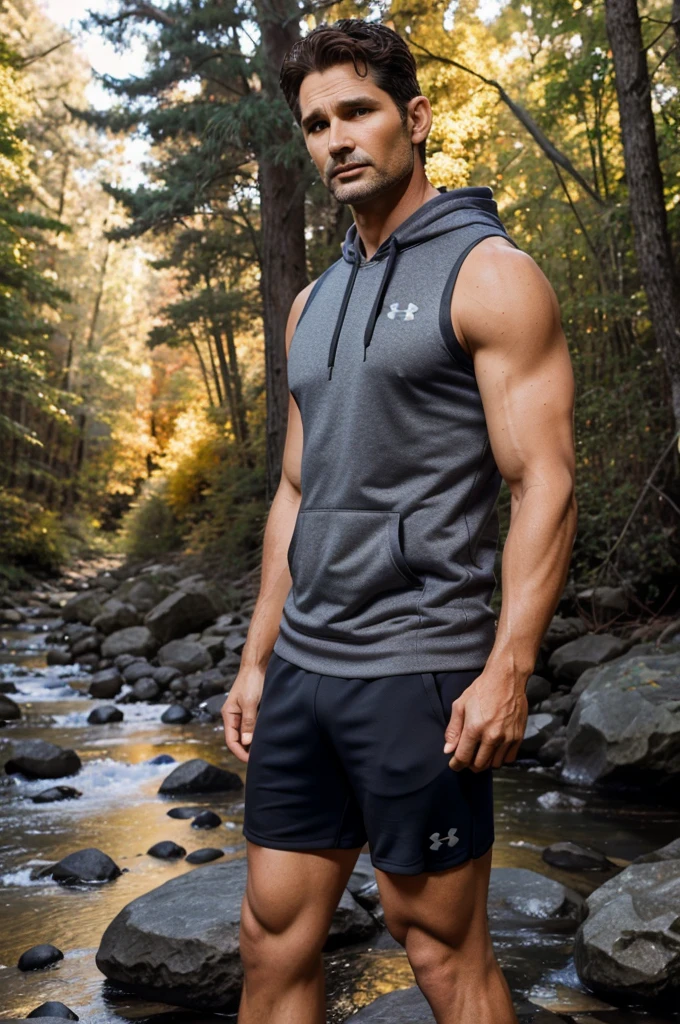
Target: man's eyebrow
(355, 101)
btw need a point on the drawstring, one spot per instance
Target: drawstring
(377, 305)
(343, 310)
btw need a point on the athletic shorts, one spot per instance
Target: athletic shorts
(336, 762)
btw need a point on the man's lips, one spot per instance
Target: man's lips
(346, 167)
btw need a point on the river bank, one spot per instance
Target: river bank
(121, 813)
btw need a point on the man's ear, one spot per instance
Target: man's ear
(420, 113)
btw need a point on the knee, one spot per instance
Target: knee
(267, 946)
(429, 957)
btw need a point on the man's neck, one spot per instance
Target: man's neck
(377, 220)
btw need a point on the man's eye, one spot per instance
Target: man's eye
(314, 126)
(361, 110)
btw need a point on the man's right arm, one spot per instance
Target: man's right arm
(239, 711)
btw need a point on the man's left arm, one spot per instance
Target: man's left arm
(506, 315)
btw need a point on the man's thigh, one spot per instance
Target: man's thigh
(291, 895)
(449, 906)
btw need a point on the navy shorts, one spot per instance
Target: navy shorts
(336, 762)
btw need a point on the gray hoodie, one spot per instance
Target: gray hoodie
(392, 555)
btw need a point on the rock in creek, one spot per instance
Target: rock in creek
(48, 796)
(180, 942)
(184, 611)
(88, 865)
(629, 944)
(199, 776)
(9, 709)
(132, 640)
(520, 893)
(624, 732)
(38, 957)
(38, 759)
(51, 1012)
(105, 714)
(574, 857)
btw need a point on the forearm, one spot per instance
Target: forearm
(535, 567)
(275, 578)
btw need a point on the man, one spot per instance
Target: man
(426, 364)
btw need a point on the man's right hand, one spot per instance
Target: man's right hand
(239, 710)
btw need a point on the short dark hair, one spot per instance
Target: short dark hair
(380, 50)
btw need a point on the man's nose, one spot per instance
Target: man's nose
(339, 140)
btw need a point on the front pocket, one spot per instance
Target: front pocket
(349, 569)
(432, 691)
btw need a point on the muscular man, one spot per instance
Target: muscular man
(425, 365)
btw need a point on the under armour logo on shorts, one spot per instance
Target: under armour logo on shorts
(408, 313)
(437, 842)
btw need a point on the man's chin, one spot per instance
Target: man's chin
(353, 193)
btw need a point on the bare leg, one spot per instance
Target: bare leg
(287, 910)
(441, 920)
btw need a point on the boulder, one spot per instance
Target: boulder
(629, 944)
(140, 668)
(54, 793)
(199, 776)
(213, 705)
(88, 865)
(84, 607)
(538, 730)
(571, 659)
(104, 715)
(38, 957)
(176, 715)
(146, 689)
(574, 857)
(116, 615)
(191, 607)
(562, 631)
(132, 640)
(9, 709)
(186, 655)
(38, 759)
(517, 894)
(145, 591)
(537, 689)
(624, 732)
(105, 685)
(178, 943)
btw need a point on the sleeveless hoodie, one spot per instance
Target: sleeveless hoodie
(393, 551)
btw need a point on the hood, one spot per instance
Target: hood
(446, 212)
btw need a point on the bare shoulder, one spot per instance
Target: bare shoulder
(501, 293)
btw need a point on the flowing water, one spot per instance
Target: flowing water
(121, 814)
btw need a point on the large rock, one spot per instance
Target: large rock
(106, 684)
(9, 709)
(186, 610)
(38, 759)
(179, 943)
(538, 730)
(629, 944)
(88, 865)
(409, 1006)
(116, 615)
(520, 894)
(146, 591)
(571, 659)
(199, 776)
(132, 640)
(624, 732)
(84, 607)
(186, 655)
(562, 631)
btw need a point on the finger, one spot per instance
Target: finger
(501, 754)
(455, 727)
(465, 750)
(513, 751)
(484, 756)
(232, 732)
(248, 716)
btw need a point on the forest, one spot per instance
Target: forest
(142, 367)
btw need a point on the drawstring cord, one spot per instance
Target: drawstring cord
(343, 310)
(375, 309)
(380, 297)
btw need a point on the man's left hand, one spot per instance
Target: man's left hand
(487, 725)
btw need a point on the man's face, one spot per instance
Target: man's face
(348, 122)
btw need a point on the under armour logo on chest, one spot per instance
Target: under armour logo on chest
(451, 840)
(408, 313)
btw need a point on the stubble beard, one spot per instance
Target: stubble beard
(380, 181)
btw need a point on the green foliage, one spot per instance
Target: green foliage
(30, 534)
(151, 528)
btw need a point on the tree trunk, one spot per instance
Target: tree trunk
(645, 185)
(282, 197)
